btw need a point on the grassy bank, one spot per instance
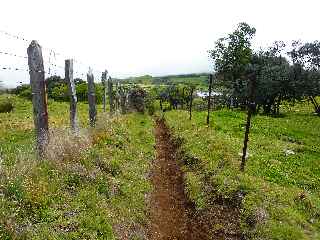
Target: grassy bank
(279, 191)
(91, 186)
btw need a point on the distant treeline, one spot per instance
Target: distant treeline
(192, 78)
(58, 90)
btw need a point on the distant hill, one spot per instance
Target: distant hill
(192, 78)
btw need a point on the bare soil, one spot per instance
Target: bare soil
(172, 215)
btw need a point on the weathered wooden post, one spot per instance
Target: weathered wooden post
(123, 99)
(104, 83)
(182, 102)
(251, 107)
(209, 99)
(190, 102)
(117, 97)
(110, 92)
(91, 99)
(39, 96)
(72, 94)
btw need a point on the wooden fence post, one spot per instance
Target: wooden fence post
(190, 103)
(209, 99)
(39, 96)
(182, 102)
(251, 106)
(91, 99)
(110, 92)
(104, 83)
(123, 99)
(72, 94)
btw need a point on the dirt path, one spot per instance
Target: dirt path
(169, 219)
(171, 215)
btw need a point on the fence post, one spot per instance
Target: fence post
(110, 92)
(251, 106)
(123, 98)
(209, 99)
(190, 104)
(104, 83)
(72, 94)
(182, 102)
(91, 99)
(118, 96)
(39, 96)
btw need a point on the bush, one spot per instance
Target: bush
(23, 90)
(136, 98)
(60, 93)
(6, 106)
(150, 105)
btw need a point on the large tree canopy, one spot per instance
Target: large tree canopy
(277, 78)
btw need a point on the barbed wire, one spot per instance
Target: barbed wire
(12, 54)
(13, 68)
(14, 36)
(52, 51)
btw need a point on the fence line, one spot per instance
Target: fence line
(51, 52)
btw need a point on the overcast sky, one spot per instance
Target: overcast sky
(137, 37)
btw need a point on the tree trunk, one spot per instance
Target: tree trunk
(315, 104)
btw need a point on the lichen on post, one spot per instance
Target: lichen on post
(91, 99)
(39, 96)
(72, 94)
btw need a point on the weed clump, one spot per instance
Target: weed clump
(6, 106)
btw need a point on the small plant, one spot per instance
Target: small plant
(6, 106)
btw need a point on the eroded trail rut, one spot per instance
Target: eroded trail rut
(168, 212)
(171, 215)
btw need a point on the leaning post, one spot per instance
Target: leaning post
(39, 96)
(123, 99)
(110, 92)
(209, 99)
(251, 107)
(190, 102)
(91, 98)
(72, 93)
(104, 83)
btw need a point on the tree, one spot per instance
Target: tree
(273, 82)
(231, 56)
(306, 70)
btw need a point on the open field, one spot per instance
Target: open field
(97, 185)
(279, 192)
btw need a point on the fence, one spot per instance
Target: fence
(41, 66)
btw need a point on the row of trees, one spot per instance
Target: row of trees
(283, 72)
(57, 89)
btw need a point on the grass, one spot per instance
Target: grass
(279, 190)
(91, 186)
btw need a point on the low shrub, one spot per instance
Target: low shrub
(6, 106)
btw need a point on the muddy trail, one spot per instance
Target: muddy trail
(172, 216)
